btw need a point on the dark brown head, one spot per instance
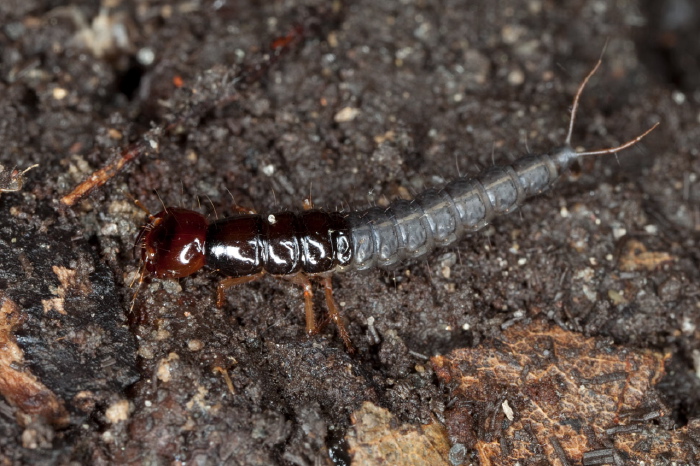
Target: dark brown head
(172, 243)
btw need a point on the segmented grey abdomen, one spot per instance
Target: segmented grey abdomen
(384, 237)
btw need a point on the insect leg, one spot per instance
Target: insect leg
(227, 283)
(304, 282)
(244, 210)
(334, 313)
(141, 276)
(239, 208)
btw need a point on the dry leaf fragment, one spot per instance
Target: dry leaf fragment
(569, 397)
(635, 257)
(375, 440)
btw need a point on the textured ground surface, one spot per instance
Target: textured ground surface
(382, 100)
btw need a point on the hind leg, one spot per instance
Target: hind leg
(334, 312)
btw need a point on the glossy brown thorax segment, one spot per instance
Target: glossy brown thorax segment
(284, 243)
(235, 246)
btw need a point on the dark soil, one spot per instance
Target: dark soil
(382, 99)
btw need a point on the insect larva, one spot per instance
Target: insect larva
(315, 243)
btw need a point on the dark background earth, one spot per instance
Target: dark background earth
(381, 99)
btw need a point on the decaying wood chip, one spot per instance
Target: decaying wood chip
(17, 384)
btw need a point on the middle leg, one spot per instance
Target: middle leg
(303, 281)
(227, 283)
